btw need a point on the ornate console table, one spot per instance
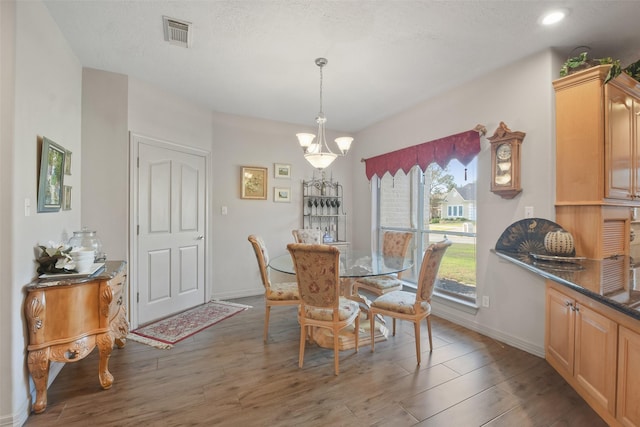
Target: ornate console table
(68, 318)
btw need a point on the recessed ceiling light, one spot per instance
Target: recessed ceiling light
(553, 17)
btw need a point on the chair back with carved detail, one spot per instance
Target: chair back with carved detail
(283, 293)
(317, 270)
(305, 235)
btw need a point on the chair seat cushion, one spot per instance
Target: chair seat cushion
(283, 291)
(346, 310)
(383, 283)
(400, 302)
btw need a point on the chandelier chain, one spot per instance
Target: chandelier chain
(321, 112)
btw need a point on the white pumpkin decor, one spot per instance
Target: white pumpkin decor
(559, 243)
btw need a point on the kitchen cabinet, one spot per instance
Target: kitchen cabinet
(581, 345)
(596, 349)
(628, 408)
(323, 209)
(597, 158)
(68, 318)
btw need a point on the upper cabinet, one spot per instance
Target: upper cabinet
(597, 159)
(597, 137)
(622, 156)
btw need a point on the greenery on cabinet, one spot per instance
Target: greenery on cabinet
(582, 62)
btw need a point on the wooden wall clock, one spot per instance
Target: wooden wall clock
(505, 161)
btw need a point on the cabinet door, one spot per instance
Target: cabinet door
(636, 144)
(595, 355)
(628, 374)
(560, 330)
(619, 145)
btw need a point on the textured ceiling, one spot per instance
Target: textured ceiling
(256, 57)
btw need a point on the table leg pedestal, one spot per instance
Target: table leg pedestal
(346, 341)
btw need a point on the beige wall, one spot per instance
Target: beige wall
(521, 95)
(47, 88)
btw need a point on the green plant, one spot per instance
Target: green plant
(633, 70)
(581, 62)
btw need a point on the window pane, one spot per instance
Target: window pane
(456, 198)
(396, 200)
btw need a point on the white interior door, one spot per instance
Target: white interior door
(171, 230)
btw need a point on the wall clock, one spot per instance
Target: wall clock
(505, 161)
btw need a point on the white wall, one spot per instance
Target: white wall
(521, 95)
(47, 103)
(105, 154)
(7, 118)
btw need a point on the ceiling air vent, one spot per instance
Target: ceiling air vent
(177, 32)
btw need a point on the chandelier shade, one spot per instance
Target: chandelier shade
(318, 153)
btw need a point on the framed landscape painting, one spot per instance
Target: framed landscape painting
(50, 185)
(254, 183)
(282, 194)
(281, 170)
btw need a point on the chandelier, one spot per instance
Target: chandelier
(318, 153)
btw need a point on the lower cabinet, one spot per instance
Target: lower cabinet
(594, 353)
(628, 408)
(581, 344)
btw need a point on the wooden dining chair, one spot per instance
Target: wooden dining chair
(318, 274)
(306, 235)
(394, 246)
(285, 293)
(405, 305)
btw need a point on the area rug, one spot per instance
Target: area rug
(166, 332)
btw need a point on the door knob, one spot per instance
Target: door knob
(201, 237)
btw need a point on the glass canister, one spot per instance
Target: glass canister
(89, 240)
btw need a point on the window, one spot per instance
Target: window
(454, 211)
(433, 205)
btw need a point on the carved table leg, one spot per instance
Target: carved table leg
(105, 344)
(120, 328)
(38, 363)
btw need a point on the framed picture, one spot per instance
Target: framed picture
(254, 183)
(66, 198)
(67, 163)
(281, 170)
(281, 194)
(51, 176)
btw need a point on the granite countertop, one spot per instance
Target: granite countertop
(614, 281)
(110, 270)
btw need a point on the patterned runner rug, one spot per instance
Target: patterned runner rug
(166, 332)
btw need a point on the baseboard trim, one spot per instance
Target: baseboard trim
(237, 294)
(452, 315)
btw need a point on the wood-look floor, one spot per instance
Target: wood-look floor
(225, 375)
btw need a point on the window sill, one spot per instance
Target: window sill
(456, 303)
(447, 300)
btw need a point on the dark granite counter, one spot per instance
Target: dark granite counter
(614, 282)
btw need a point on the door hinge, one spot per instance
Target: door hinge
(138, 162)
(138, 230)
(138, 297)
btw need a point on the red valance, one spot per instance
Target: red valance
(462, 146)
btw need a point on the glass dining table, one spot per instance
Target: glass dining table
(354, 264)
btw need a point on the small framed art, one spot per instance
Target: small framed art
(282, 194)
(50, 185)
(66, 198)
(67, 163)
(281, 170)
(254, 183)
